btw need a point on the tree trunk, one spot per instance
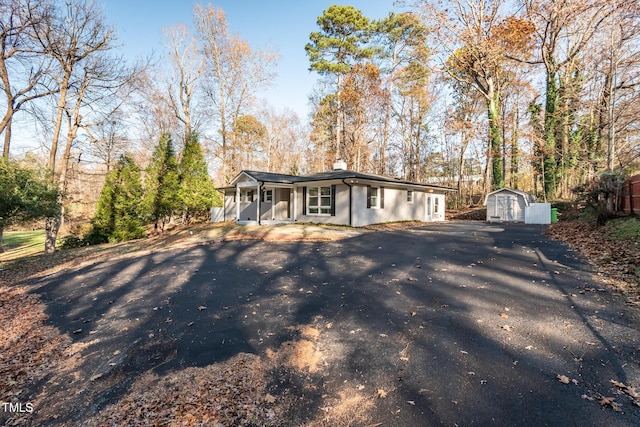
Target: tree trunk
(463, 150)
(339, 153)
(495, 140)
(6, 120)
(1, 237)
(52, 226)
(62, 102)
(7, 137)
(549, 150)
(515, 160)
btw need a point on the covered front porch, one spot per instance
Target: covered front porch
(264, 204)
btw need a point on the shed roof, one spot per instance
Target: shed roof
(528, 197)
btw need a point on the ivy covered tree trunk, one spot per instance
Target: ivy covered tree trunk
(495, 140)
(549, 162)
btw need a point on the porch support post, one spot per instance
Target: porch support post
(237, 203)
(259, 200)
(295, 204)
(273, 201)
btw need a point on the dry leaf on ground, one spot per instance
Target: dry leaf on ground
(610, 401)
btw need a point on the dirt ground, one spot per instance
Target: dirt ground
(445, 324)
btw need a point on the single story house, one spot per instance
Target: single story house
(338, 197)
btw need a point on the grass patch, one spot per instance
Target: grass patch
(18, 244)
(623, 229)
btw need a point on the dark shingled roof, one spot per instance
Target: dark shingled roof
(280, 178)
(338, 174)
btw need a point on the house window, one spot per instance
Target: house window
(249, 197)
(375, 199)
(436, 204)
(410, 196)
(319, 200)
(267, 196)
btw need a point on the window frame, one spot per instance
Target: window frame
(319, 207)
(267, 196)
(375, 199)
(410, 196)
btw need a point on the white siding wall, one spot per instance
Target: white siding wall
(396, 207)
(342, 208)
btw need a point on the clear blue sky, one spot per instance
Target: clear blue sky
(284, 24)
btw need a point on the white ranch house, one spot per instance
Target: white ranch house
(338, 197)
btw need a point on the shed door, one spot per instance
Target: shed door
(506, 205)
(428, 209)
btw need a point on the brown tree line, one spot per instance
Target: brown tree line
(61, 63)
(536, 94)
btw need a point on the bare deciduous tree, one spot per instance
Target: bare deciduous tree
(235, 73)
(187, 65)
(90, 82)
(23, 68)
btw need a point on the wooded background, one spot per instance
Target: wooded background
(537, 95)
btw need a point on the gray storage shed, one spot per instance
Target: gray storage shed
(507, 205)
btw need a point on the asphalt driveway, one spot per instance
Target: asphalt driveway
(461, 323)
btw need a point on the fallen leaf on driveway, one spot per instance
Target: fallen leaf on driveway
(411, 402)
(381, 393)
(610, 401)
(269, 398)
(630, 391)
(504, 315)
(563, 379)
(506, 328)
(202, 307)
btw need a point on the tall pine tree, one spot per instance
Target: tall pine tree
(196, 193)
(162, 183)
(340, 44)
(119, 214)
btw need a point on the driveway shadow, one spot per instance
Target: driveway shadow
(456, 324)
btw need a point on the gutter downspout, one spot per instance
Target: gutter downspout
(350, 188)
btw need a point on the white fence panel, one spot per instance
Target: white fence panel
(217, 214)
(538, 213)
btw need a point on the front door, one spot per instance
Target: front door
(429, 209)
(284, 210)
